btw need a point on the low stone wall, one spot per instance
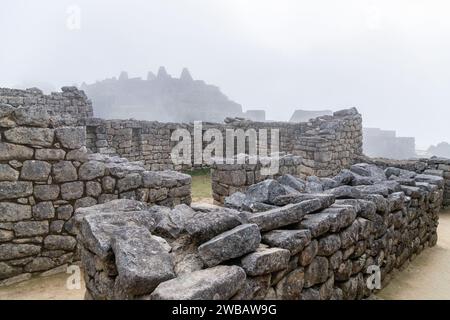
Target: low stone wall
(327, 144)
(46, 174)
(328, 238)
(227, 179)
(434, 166)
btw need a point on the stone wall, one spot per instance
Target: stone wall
(46, 174)
(433, 166)
(227, 179)
(71, 103)
(326, 144)
(322, 238)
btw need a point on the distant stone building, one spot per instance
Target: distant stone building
(386, 144)
(304, 115)
(160, 97)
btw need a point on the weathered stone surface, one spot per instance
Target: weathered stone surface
(10, 251)
(6, 271)
(32, 136)
(265, 191)
(265, 261)
(326, 200)
(340, 216)
(6, 235)
(206, 225)
(46, 191)
(71, 137)
(317, 224)
(292, 182)
(308, 253)
(35, 170)
(91, 170)
(292, 240)
(7, 173)
(50, 154)
(64, 171)
(93, 189)
(217, 283)
(316, 272)
(43, 210)
(72, 190)
(230, 244)
(31, 228)
(130, 181)
(329, 245)
(57, 242)
(84, 202)
(171, 223)
(254, 288)
(11, 212)
(373, 189)
(343, 192)
(284, 216)
(15, 189)
(290, 287)
(64, 212)
(235, 201)
(40, 264)
(148, 266)
(9, 151)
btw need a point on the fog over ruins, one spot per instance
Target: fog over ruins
(224, 150)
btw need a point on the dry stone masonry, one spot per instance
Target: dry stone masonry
(46, 173)
(282, 239)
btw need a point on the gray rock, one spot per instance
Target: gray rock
(217, 283)
(64, 171)
(230, 244)
(93, 189)
(265, 261)
(149, 265)
(343, 192)
(254, 288)
(290, 287)
(108, 183)
(10, 151)
(9, 251)
(71, 137)
(329, 245)
(80, 155)
(7, 173)
(340, 216)
(439, 181)
(35, 170)
(91, 170)
(34, 116)
(292, 240)
(308, 253)
(317, 224)
(31, 228)
(6, 271)
(206, 225)
(284, 216)
(84, 202)
(265, 191)
(350, 235)
(50, 154)
(316, 272)
(129, 182)
(72, 190)
(6, 235)
(64, 212)
(256, 206)
(32, 136)
(57, 242)
(44, 210)
(40, 264)
(373, 189)
(234, 201)
(326, 200)
(11, 212)
(292, 182)
(173, 222)
(15, 189)
(46, 191)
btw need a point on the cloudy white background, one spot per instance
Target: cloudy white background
(391, 59)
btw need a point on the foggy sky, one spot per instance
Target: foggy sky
(390, 59)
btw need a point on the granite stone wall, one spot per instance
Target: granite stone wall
(322, 238)
(46, 173)
(326, 144)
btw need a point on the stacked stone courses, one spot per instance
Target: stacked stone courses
(314, 239)
(46, 173)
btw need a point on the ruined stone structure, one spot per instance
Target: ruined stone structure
(326, 144)
(46, 174)
(321, 238)
(386, 144)
(161, 98)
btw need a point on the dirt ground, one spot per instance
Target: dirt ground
(427, 277)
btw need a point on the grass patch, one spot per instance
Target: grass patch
(201, 184)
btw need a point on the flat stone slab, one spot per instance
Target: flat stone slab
(292, 240)
(326, 200)
(317, 224)
(217, 283)
(284, 216)
(206, 225)
(230, 244)
(265, 261)
(142, 262)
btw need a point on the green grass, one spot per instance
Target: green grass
(201, 184)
